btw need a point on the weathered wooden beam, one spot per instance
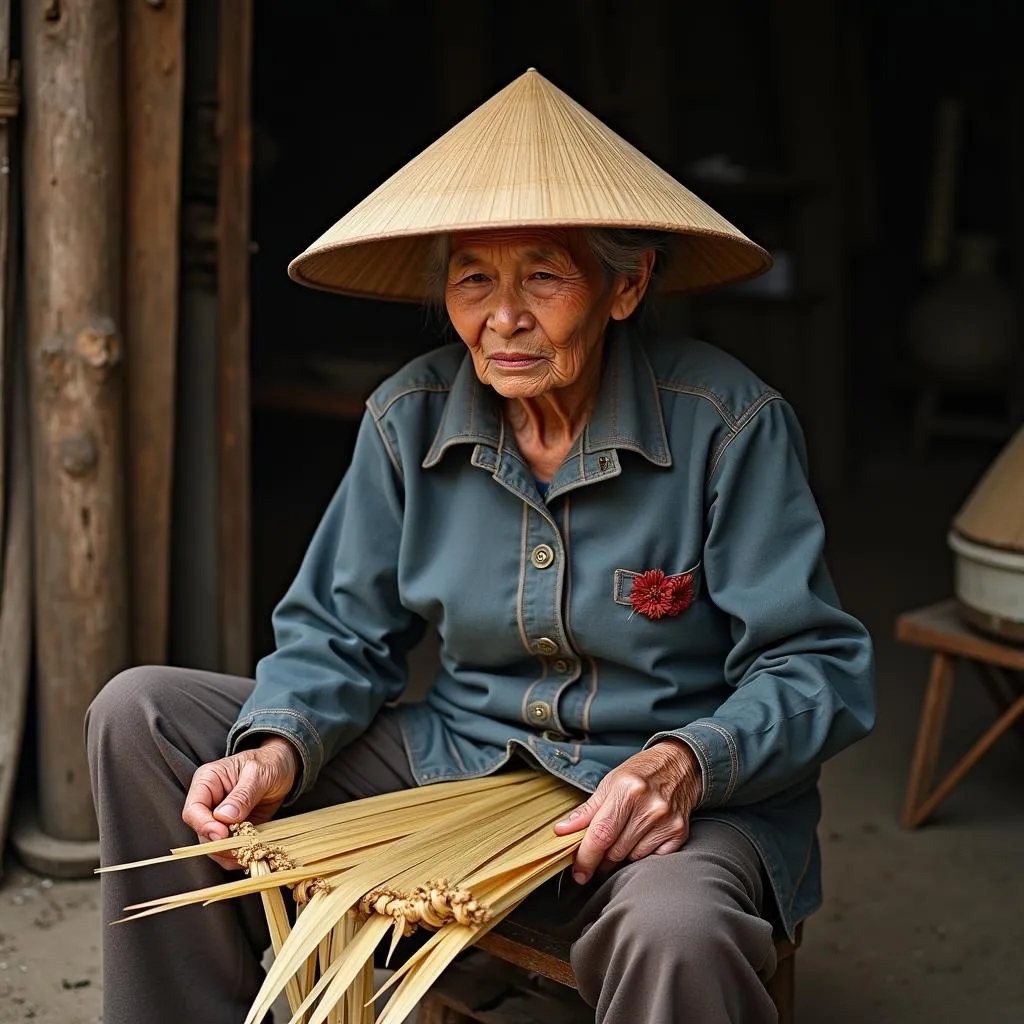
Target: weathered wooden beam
(233, 234)
(154, 82)
(73, 224)
(16, 488)
(15, 598)
(9, 106)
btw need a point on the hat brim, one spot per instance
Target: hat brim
(397, 266)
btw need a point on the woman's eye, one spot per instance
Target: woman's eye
(477, 278)
(542, 275)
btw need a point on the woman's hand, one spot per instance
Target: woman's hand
(248, 786)
(641, 807)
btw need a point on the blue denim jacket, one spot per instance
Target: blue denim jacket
(689, 464)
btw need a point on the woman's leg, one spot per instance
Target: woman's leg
(147, 732)
(680, 937)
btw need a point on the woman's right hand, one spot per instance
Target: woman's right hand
(248, 786)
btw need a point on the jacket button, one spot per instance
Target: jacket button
(542, 556)
(539, 711)
(545, 646)
(561, 666)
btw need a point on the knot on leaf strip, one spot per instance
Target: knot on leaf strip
(305, 891)
(273, 856)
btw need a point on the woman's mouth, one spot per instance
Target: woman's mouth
(514, 360)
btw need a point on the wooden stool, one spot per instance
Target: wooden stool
(501, 996)
(1000, 668)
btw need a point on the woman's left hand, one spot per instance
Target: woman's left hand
(641, 807)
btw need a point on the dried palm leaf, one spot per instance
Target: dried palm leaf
(454, 858)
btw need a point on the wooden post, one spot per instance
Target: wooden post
(73, 226)
(154, 80)
(15, 486)
(233, 233)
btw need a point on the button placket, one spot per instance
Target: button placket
(541, 614)
(543, 568)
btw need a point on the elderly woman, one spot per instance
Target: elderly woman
(614, 540)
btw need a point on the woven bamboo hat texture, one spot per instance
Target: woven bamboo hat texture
(528, 157)
(994, 511)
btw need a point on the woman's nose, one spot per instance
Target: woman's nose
(509, 316)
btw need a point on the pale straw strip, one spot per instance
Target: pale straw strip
(298, 825)
(346, 967)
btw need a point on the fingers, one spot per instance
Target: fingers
(650, 815)
(208, 788)
(671, 846)
(252, 785)
(667, 839)
(625, 820)
(231, 790)
(580, 818)
(602, 832)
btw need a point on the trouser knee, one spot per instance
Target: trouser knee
(121, 713)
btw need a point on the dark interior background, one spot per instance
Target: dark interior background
(344, 94)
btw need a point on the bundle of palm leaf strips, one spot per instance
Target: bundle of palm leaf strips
(454, 858)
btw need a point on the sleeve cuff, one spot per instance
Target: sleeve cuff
(289, 725)
(717, 753)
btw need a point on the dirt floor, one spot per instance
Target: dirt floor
(916, 926)
(49, 950)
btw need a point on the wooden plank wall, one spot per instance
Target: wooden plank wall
(154, 82)
(233, 234)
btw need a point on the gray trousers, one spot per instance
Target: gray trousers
(671, 938)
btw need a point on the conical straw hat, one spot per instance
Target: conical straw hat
(529, 157)
(994, 512)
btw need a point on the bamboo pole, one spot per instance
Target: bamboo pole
(73, 270)
(154, 80)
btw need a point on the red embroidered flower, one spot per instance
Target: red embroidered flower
(656, 595)
(683, 597)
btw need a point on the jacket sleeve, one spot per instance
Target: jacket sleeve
(341, 632)
(801, 669)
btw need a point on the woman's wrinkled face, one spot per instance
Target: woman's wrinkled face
(531, 306)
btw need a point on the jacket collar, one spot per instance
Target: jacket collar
(627, 415)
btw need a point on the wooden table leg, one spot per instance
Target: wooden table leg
(929, 737)
(974, 755)
(998, 683)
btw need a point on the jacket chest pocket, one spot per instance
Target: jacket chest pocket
(656, 594)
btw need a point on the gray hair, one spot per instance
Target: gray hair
(620, 251)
